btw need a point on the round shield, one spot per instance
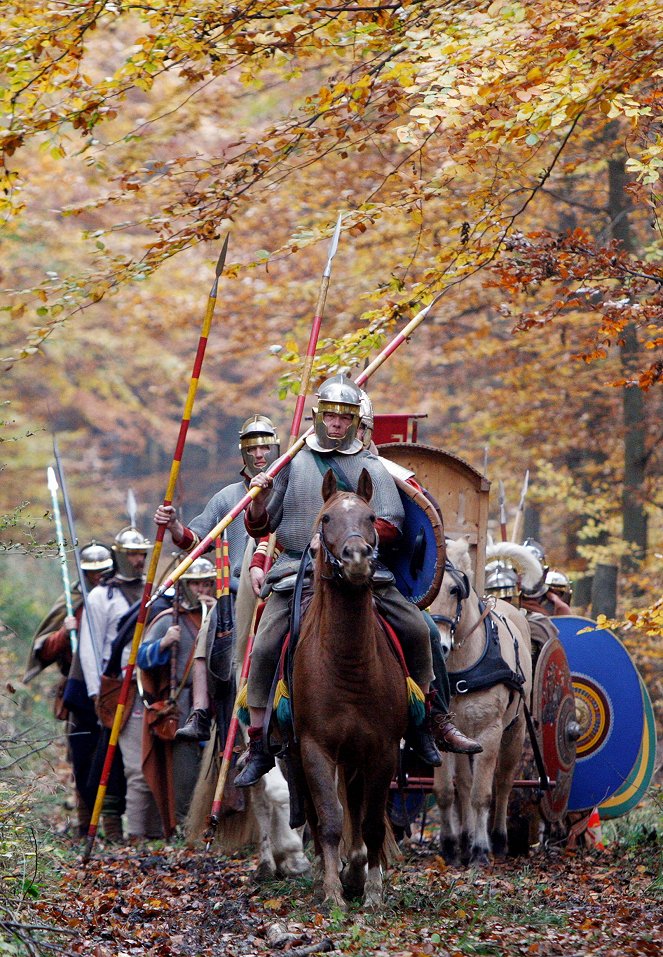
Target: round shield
(418, 563)
(609, 710)
(554, 713)
(634, 787)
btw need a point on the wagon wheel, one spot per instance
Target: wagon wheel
(554, 716)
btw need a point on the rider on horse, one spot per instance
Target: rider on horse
(289, 509)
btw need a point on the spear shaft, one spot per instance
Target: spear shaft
(161, 531)
(294, 431)
(521, 508)
(53, 488)
(287, 456)
(502, 505)
(74, 539)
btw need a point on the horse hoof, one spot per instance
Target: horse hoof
(449, 851)
(373, 901)
(479, 857)
(298, 866)
(264, 872)
(331, 904)
(499, 841)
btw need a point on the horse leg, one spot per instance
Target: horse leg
(353, 875)
(481, 796)
(464, 767)
(374, 832)
(445, 796)
(507, 764)
(286, 843)
(321, 780)
(262, 808)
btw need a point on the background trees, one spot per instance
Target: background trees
(497, 151)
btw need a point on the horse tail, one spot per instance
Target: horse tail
(235, 829)
(390, 850)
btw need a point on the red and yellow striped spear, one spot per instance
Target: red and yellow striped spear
(296, 447)
(149, 581)
(305, 379)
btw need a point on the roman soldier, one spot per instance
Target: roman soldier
(171, 766)
(288, 505)
(259, 446)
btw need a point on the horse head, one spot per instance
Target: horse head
(346, 525)
(456, 587)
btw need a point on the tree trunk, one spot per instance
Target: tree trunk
(634, 517)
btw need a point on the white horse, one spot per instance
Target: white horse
(465, 786)
(266, 818)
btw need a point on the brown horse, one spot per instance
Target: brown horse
(349, 700)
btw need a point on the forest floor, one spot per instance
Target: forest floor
(165, 900)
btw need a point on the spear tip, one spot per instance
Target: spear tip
(222, 256)
(52, 481)
(333, 246)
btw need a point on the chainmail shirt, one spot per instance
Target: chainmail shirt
(218, 506)
(296, 499)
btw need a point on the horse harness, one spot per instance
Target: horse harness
(490, 669)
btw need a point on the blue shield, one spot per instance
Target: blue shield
(609, 709)
(418, 564)
(633, 789)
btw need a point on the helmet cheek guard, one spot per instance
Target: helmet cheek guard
(256, 431)
(129, 541)
(341, 396)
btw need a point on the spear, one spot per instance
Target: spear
(74, 540)
(53, 488)
(521, 508)
(502, 505)
(287, 456)
(304, 382)
(154, 561)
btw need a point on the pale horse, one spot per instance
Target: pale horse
(467, 787)
(265, 821)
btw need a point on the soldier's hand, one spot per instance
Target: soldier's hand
(70, 623)
(257, 580)
(171, 637)
(261, 481)
(209, 601)
(165, 515)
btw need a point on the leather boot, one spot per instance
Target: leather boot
(257, 763)
(112, 828)
(449, 738)
(420, 738)
(196, 728)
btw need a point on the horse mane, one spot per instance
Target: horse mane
(458, 553)
(523, 560)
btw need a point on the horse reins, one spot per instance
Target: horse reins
(461, 589)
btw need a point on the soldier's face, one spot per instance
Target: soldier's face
(260, 453)
(337, 423)
(204, 586)
(137, 560)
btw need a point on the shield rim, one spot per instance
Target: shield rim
(553, 645)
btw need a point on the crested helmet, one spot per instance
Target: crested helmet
(129, 540)
(338, 394)
(255, 431)
(501, 580)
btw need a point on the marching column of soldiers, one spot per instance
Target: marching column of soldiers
(184, 685)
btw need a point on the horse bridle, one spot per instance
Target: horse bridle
(461, 590)
(336, 563)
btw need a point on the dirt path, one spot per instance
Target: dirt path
(174, 901)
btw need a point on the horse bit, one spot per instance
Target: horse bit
(336, 563)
